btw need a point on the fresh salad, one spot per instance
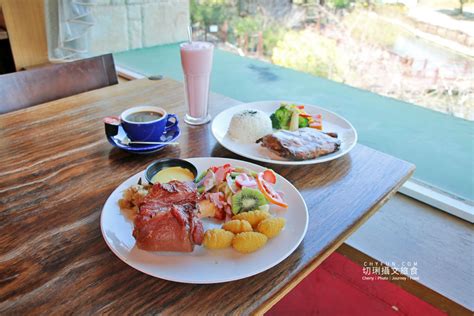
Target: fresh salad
(292, 116)
(226, 191)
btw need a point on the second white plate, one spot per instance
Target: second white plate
(331, 123)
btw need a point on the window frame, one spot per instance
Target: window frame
(439, 199)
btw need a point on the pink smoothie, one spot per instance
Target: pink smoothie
(196, 59)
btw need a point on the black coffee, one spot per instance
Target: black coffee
(143, 116)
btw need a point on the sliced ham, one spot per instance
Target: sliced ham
(167, 194)
(167, 219)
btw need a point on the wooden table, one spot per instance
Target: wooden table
(57, 170)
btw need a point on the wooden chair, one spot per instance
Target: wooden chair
(38, 85)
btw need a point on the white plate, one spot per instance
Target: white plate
(203, 265)
(331, 123)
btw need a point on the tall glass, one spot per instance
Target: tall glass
(196, 59)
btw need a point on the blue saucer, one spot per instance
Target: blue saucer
(170, 136)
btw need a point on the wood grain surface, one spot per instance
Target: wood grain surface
(54, 81)
(57, 170)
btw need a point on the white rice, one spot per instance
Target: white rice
(247, 126)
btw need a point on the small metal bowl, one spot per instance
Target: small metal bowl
(161, 164)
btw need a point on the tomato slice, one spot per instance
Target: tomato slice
(215, 168)
(316, 125)
(269, 176)
(270, 194)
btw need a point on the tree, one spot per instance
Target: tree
(310, 52)
(207, 13)
(339, 4)
(461, 5)
(246, 27)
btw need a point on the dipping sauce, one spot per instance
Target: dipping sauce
(143, 116)
(173, 173)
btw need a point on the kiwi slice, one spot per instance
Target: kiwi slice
(247, 200)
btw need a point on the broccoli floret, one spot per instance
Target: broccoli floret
(281, 118)
(303, 122)
(275, 121)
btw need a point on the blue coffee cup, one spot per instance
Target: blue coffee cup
(150, 130)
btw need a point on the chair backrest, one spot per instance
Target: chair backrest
(38, 85)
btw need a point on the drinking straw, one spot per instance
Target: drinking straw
(190, 34)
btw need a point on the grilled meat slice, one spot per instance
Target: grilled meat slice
(161, 231)
(167, 219)
(166, 194)
(302, 144)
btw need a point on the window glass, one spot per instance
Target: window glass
(415, 51)
(400, 71)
